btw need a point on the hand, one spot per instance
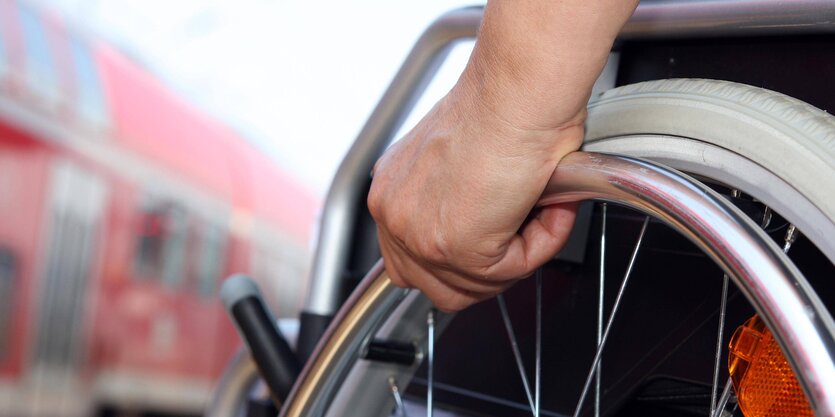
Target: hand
(452, 201)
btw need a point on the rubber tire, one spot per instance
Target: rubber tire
(790, 139)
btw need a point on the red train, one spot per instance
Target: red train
(121, 207)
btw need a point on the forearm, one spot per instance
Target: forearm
(536, 60)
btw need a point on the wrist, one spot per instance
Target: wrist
(502, 123)
(526, 92)
(535, 62)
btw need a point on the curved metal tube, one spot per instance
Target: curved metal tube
(801, 323)
(652, 19)
(347, 189)
(231, 391)
(714, 18)
(368, 305)
(771, 282)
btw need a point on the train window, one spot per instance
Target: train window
(210, 259)
(90, 102)
(7, 278)
(174, 249)
(41, 76)
(149, 245)
(161, 246)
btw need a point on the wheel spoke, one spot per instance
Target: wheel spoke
(768, 214)
(723, 400)
(514, 346)
(597, 354)
(791, 236)
(398, 399)
(600, 294)
(719, 339)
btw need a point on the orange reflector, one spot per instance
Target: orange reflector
(764, 382)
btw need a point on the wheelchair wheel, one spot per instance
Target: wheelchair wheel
(230, 396)
(773, 156)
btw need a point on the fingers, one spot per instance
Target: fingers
(449, 291)
(537, 242)
(444, 296)
(454, 289)
(416, 264)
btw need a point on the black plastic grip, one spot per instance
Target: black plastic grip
(311, 328)
(391, 352)
(273, 356)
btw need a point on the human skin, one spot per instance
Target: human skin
(454, 198)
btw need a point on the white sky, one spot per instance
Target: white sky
(297, 77)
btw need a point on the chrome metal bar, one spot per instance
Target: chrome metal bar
(722, 18)
(600, 300)
(611, 320)
(652, 19)
(514, 346)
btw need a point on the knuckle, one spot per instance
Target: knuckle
(375, 202)
(437, 249)
(483, 271)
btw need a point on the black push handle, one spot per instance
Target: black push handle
(273, 356)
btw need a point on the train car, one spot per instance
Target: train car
(122, 206)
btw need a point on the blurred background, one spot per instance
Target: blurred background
(148, 149)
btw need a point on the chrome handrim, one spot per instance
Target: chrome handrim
(753, 262)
